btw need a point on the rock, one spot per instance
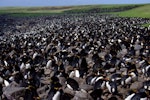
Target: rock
(136, 85)
(81, 94)
(69, 91)
(86, 87)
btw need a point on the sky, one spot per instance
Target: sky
(4, 3)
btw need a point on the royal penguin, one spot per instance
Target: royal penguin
(49, 63)
(55, 92)
(116, 78)
(130, 94)
(66, 96)
(146, 71)
(145, 68)
(83, 68)
(140, 96)
(100, 84)
(6, 82)
(74, 73)
(131, 67)
(126, 81)
(31, 93)
(97, 94)
(112, 87)
(53, 80)
(91, 79)
(146, 85)
(72, 84)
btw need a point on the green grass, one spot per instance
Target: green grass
(146, 25)
(141, 11)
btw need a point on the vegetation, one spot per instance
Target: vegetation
(146, 25)
(142, 10)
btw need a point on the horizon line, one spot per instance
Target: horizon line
(77, 5)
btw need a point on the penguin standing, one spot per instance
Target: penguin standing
(90, 78)
(100, 84)
(83, 69)
(72, 84)
(116, 78)
(74, 73)
(31, 93)
(112, 87)
(146, 85)
(96, 94)
(130, 95)
(140, 96)
(55, 92)
(126, 81)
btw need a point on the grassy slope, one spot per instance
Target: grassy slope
(51, 9)
(142, 11)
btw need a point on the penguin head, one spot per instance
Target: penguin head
(54, 80)
(57, 86)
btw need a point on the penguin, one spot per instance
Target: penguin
(140, 96)
(89, 79)
(145, 68)
(66, 96)
(131, 68)
(83, 69)
(31, 93)
(100, 84)
(112, 87)
(55, 92)
(97, 66)
(57, 95)
(95, 57)
(146, 85)
(126, 81)
(72, 84)
(6, 82)
(146, 71)
(134, 76)
(75, 73)
(131, 93)
(96, 94)
(53, 80)
(49, 64)
(116, 78)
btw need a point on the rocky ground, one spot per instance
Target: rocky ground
(42, 47)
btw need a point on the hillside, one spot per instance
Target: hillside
(142, 10)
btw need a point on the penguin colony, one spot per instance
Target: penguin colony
(75, 57)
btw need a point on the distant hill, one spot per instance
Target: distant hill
(128, 10)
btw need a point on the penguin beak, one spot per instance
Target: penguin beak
(130, 75)
(50, 80)
(56, 88)
(107, 79)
